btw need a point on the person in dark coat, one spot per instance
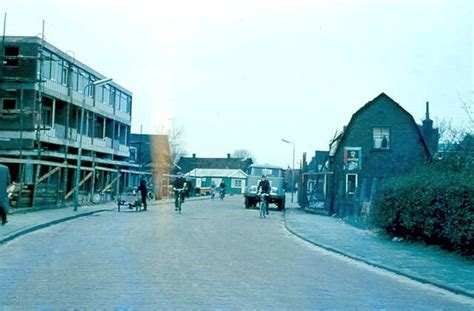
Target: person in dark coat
(179, 184)
(143, 191)
(222, 189)
(4, 202)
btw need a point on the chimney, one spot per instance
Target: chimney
(427, 123)
(427, 114)
(194, 155)
(228, 156)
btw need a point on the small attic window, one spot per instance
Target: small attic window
(11, 54)
(381, 138)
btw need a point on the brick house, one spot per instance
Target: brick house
(382, 140)
(152, 154)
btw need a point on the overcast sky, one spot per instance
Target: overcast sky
(244, 74)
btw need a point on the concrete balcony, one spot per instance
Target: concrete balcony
(124, 149)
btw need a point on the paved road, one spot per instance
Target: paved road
(216, 255)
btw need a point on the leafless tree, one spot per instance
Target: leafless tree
(243, 153)
(176, 140)
(468, 107)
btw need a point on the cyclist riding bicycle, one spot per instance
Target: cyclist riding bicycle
(178, 186)
(222, 189)
(264, 187)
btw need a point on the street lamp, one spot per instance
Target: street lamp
(79, 152)
(292, 169)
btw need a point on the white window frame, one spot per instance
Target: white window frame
(377, 141)
(347, 183)
(234, 182)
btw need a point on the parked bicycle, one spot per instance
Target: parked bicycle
(263, 204)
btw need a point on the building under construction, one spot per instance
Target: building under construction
(45, 93)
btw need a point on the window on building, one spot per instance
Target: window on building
(56, 68)
(133, 154)
(112, 97)
(124, 102)
(91, 87)
(45, 62)
(381, 138)
(100, 94)
(9, 103)
(99, 127)
(11, 54)
(64, 73)
(75, 78)
(351, 183)
(118, 101)
(106, 95)
(117, 131)
(129, 105)
(83, 80)
(236, 183)
(47, 115)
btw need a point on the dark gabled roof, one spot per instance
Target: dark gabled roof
(187, 164)
(340, 139)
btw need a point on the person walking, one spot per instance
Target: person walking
(143, 191)
(4, 202)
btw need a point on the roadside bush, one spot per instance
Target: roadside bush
(433, 204)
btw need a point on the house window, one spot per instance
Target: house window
(381, 138)
(236, 183)
(9, 103)
(11, 56)
(351, 183)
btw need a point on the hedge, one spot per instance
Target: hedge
(433, 204)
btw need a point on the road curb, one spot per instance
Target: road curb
(380, 266)
(48, 224)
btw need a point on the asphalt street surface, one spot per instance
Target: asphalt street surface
(216, 255)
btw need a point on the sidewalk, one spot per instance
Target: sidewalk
(24, 222)
(427, 264)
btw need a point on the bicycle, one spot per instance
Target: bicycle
(179, 193)
(263, 205)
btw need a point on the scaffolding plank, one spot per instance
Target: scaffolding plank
(89, 175)
(111, 183)
(48, 174)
